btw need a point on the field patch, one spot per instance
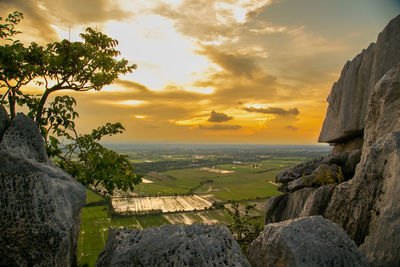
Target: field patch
(210, 217)
(143, 205)
(216, 170)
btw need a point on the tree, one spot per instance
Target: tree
(18, 64)
(65, 65)
(81, 66)
(245, 228)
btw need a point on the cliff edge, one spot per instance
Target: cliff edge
(357, 185)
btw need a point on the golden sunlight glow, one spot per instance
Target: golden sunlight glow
(162, 55)
(173, 2)
(192, 122)
(254, 63)
(201, 90)
(130, 102)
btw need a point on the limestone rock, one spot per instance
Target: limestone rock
(299, 183)
(349, 145)
(4, 120)
(310, 241)
(348, 100)
(172, 245)
(301, 203)
(40, 204)
(286, 206)
(318, 201)
(23, 139)
(367, 207)
(307, 174)
(291, 174)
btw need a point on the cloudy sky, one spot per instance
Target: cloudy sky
(214, 71)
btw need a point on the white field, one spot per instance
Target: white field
(165, 204)
(216, 170)
(184, 218)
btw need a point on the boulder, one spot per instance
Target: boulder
(23, 139)
(348, 100)
(304, 202)
(313, 173)
(292, 173)
(172, 245)
(309, 241)
(286, 206)
(4, 120)
(40, 205)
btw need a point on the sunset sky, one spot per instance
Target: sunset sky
(214, 71)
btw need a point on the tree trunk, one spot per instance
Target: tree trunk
(11, 101)
(39, 112)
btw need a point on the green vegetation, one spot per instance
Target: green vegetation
(95, 223)
(93, 198)
(241, 184)
(151, 220)
(245, 227)
(75, 66)
(324, 177)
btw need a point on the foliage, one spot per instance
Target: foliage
(245, 228)
(339, 175)
(65, 65)
(324, 177)
(19, 65)
(7, 30)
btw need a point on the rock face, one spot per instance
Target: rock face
(4, 120)
(311, 241)
(348, 100)
(172, 245)
(40, 204)
(366, 204)
(338, 166)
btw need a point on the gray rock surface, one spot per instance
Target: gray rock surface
(308, 173)
(286, 206)
(172, 245)
(349, 145)
(4, 120)
(40, 204)
(301, 203)
(23, 139)
(367, 206)
(348, 100)
(291, 174)
(310, 241)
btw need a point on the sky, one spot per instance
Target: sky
(213, 71)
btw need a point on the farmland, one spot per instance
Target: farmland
(182, 183)
(163, 204)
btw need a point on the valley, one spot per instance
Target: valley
(187, 184)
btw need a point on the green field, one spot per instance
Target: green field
(250, 180)
(95, 223)
(246, 182)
